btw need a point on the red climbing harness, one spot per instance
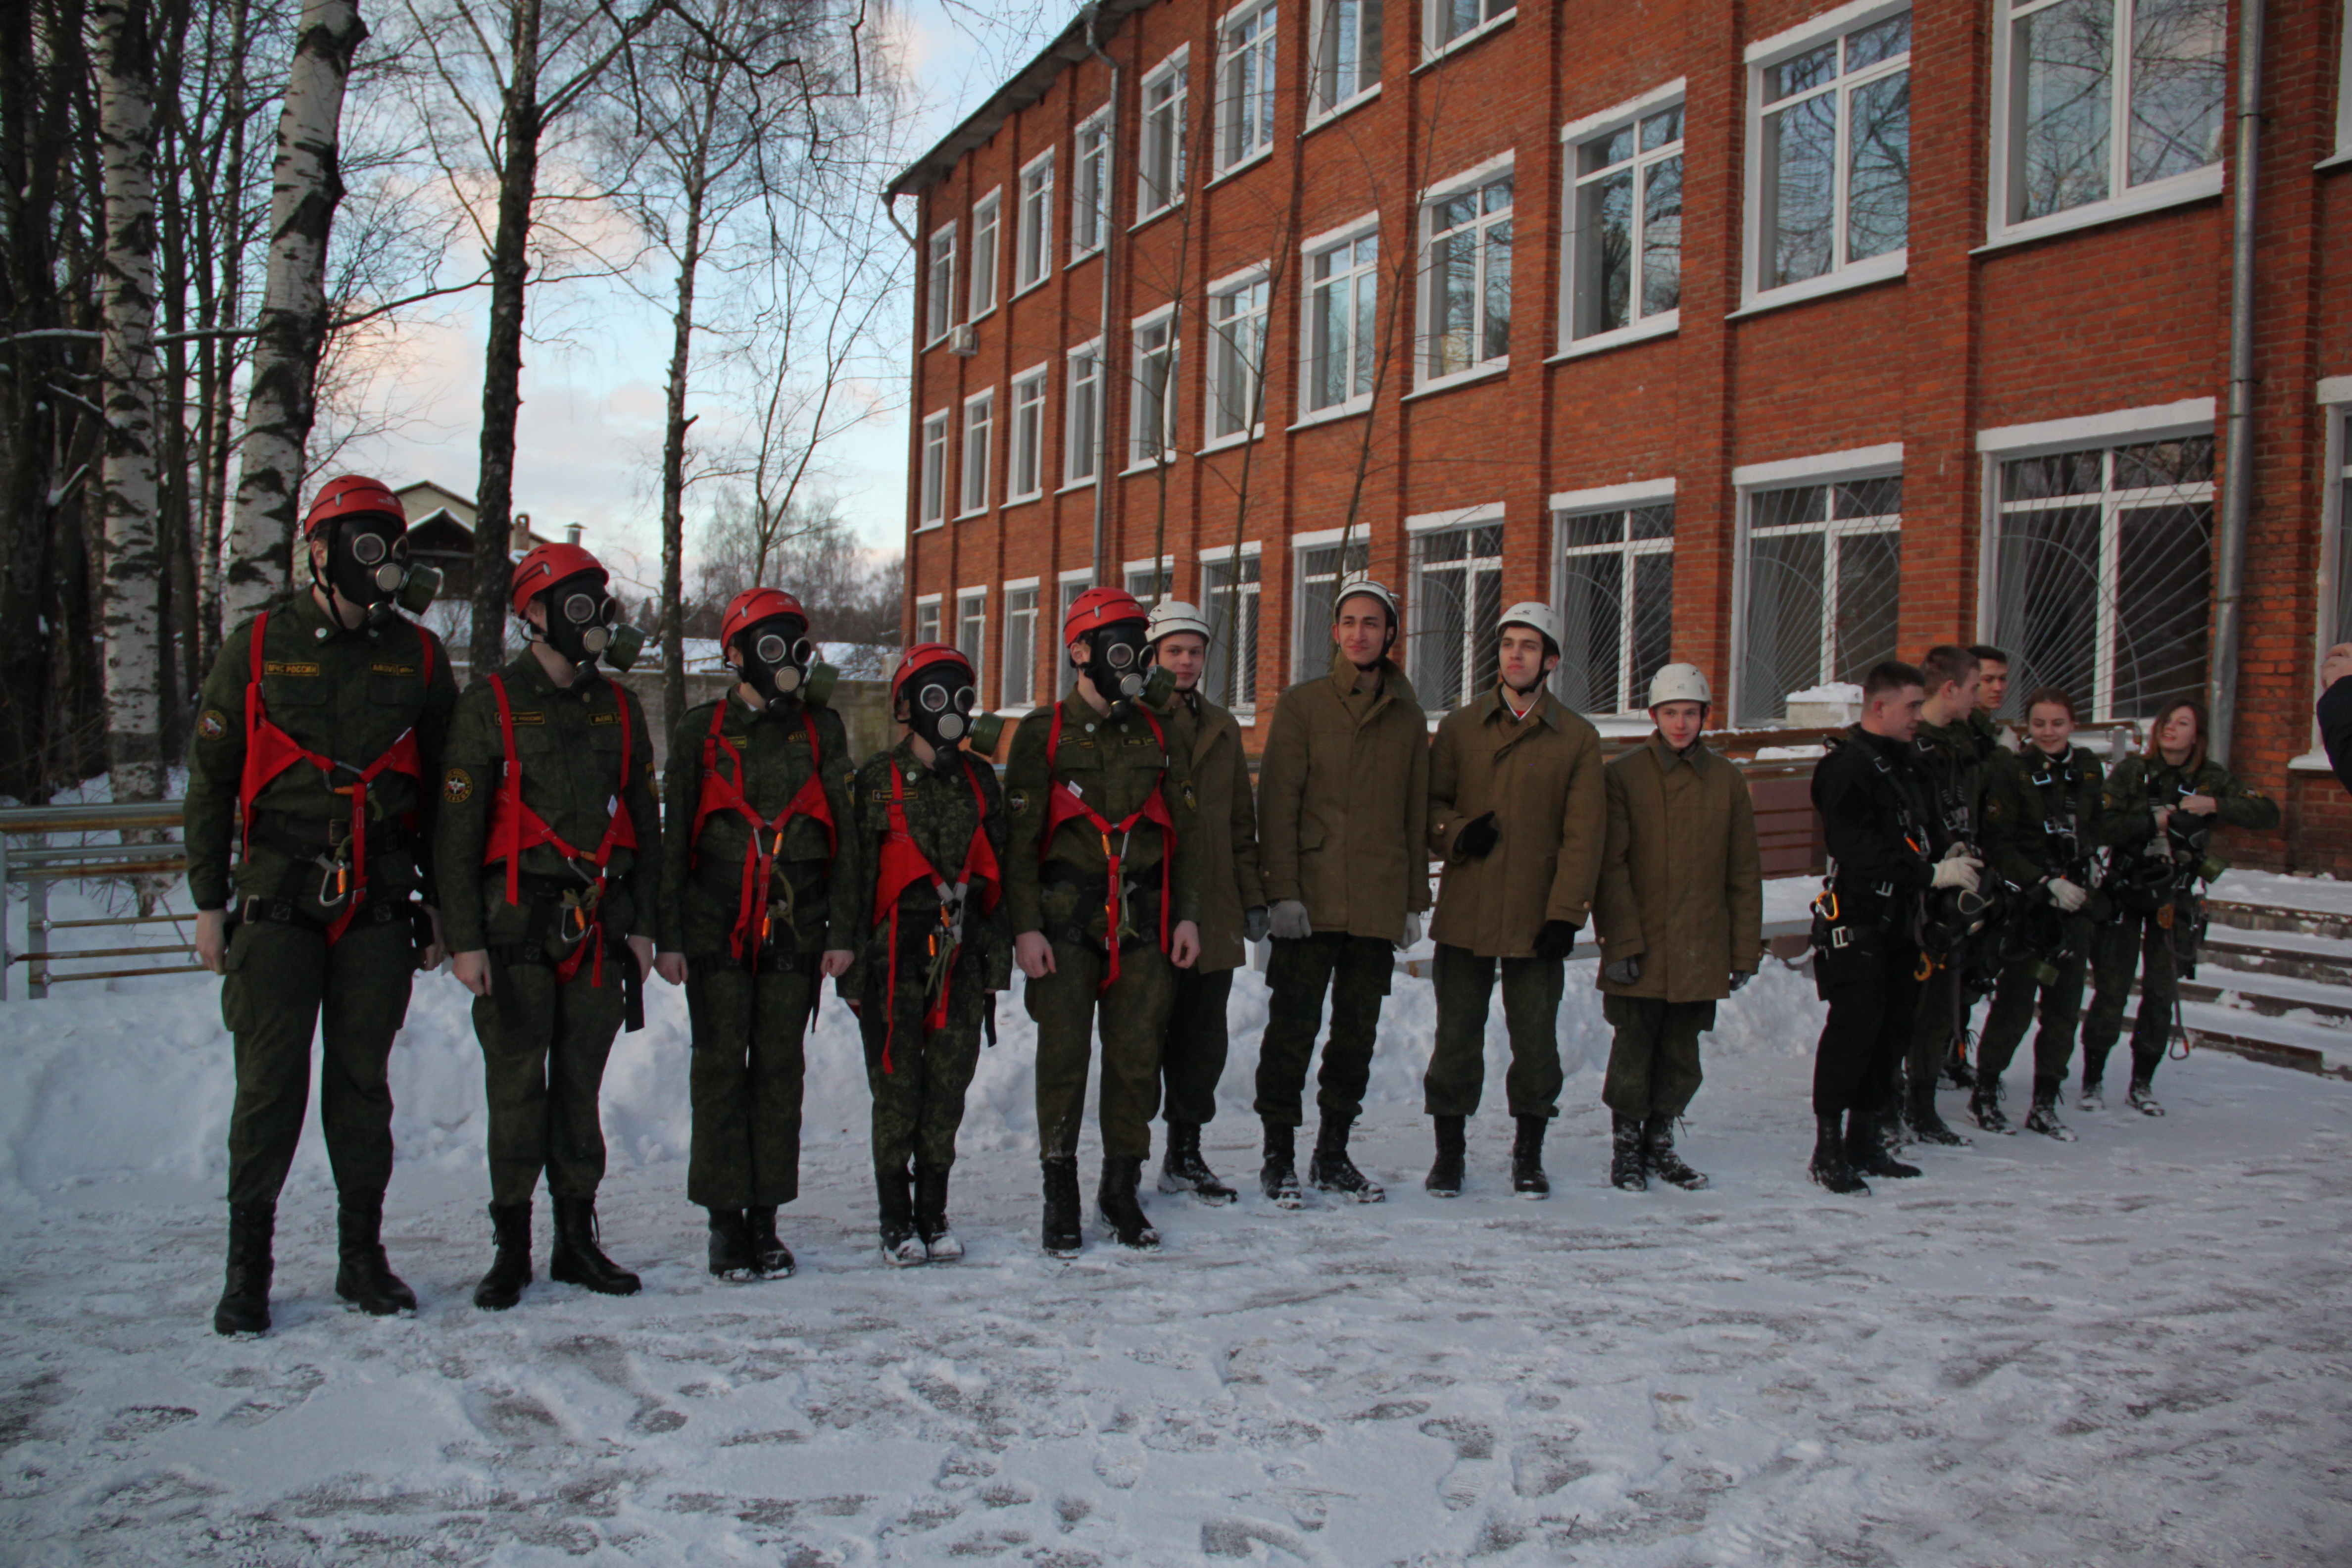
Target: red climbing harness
(904, 864)
(723, 794)
(1062, 804)
(515, 827)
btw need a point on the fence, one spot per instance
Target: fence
(40, 864)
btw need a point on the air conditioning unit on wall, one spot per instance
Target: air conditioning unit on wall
(963, 339)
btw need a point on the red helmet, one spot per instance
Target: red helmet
(1098, 607)
(545, 567)
(752, 605)
(921, 657)
(352, 496)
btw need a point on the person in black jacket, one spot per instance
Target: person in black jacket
(2335, 709)
(1875, 809)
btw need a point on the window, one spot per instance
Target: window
(1246, 85)
(1082, 435)
(1616, 574)
(939, 286)
(1625, 256)
(1091, 192)
(926, 618)
(1347, 53)
(2336, 599)
(1027, 478)
(1824, 568)
(1237, 358)
(935, 468)
(1833, 161)
(2102, 573)
(979, 431)
(1160, 183)
(1034, 248)
(1451, 21)
(1151, 435)
(972, 629)
(1341, 328)
(1232, 610)
(2106, 106)
(1020, 646)
(1073, 584)
(1319, 571)
(1149, 584)
(1466, 319)
(987, 217)
(1456, 596)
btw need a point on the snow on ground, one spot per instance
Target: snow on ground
(2129, 1350)
(2274, 889)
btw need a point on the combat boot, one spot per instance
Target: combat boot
(1278, 1177)
(1445, 1171)
(1958, 1072)
(1116, 1204)
(1984, 1104)
(364, 1276)
(1927, 1124)
(2141, 1096)
(901, 1247)
(1658, 1154)
(1182, 1169)
(770, 1255)
(244, 1306)
(1060, 1230)
(731, 1255)
(578, 1259)
(510, 1270)
(941, 1245)
(1866, 1150)
(1627, 1168)
(1528, 1178)
(1829, 1166)
(2044, 1117)
(2093, 1096)
(1330, 1170)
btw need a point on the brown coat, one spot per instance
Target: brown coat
(1343, 790)
(1540, 776)
(1228, 824)
(1680, 887)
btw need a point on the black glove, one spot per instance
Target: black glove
(1624, 971)
(1475, 837)
(1741, 977)
(1253, 923)
(1558, 938)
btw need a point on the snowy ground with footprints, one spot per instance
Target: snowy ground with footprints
(2132, 1349)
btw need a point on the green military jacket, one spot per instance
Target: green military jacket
(1113, 767)
(1541, 778)
(344, 694)
(941, 815)
(1343, 801)
(1952, 761)
(2024, 795)
(2127, 818)
(568, 742)
(1211, 742)
(702, 880)
(1680, 885)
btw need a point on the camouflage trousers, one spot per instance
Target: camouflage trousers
(1458, 1063)
(1357, 971)
(1133, 1018)
(2135, 944)
(2060, 1001)
(918, 1077)
(1654, 1067)
(1192, 1060)
(745, 1081)
(543, 1077)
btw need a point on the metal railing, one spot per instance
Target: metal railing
(39, 864)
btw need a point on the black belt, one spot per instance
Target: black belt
(286, 913)
(307, 835)
(505, 955)
(1094, 894)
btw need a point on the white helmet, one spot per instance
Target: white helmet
(1175, 615)
(1538, 618)
(1370, 588)
(1679, 683)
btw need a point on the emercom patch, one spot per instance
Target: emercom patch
(1016, 801)
(212, 725)
(458, 786)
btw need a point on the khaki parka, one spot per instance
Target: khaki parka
(1680, 885)
(1226, 822)
(1541, 777)
(1343, 802)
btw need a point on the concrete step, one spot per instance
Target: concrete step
(2271, 995)
(2308, 1046)
(2284, 918)
(2289, 954)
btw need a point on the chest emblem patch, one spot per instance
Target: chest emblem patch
(603, 717)
(285, 667)
(458, 786)
(1016, 801)
(212, 725)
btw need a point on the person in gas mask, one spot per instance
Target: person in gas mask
(1103, 888)
(318, 745)
(930, 842)
(547, 854)
(761, 898)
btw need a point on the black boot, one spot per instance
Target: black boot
(244, 1306)
(1116, 1204)
(1330, 1170)
(1984, 1104)
(1278, 1177)
(1866, 1150)
(1829, 1166)
(1927, 1124)
(941, 1245)
(1528, 1178)
(731, 1255)
(1444, 1178)
(2141, 1096)
(2044, 1117)
(1060, 1228)
(364, 1276)
(1658, 1149)
(577, 1259)
(1958, 1072)
(1182, 1169)
(901, 1247)
(510, 1270)
(770, 1255)
(1628, 1167)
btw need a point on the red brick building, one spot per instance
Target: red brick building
(1650, 311)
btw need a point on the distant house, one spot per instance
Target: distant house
(441, 533)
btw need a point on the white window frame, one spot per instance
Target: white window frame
(2343, 154)
(1068, 585)
(1252, 616)
(1020, 652)
(978, 652)
(1322, 35)
(1082, 445)
(987, 252)
(1136, 576)
(1345, 237)
(1574, 137)
(1471, 181)
(1475, 630)
(1221, 350)
(1434, 17)
(1032, 242)
(930, 602)
(940, 293)
(1310, 646)
(1244, 131)
(1154, 134)
(1026, 425)
(2335, 398)
(1619, 500)
(978, 454)
(1090, 185)
(1138, 454)
(932, 486)
(2123, 199)
(1831, 27)
(1883, 462)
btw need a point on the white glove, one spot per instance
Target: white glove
(1957, 871)
(2066, 895)
(1287, 919)
(1411, 930)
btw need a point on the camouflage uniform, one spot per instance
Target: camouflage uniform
(1952, 760)
(348, 695)
(750, 1010)
(2025, 842)
(544, 1039)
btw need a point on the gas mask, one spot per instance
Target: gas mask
(939, 708)
(583, 623)
(781, 664)
(368, 564)
(1116, 668)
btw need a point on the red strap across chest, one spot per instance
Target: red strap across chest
(724, 793)
(904, 864)
(1065, 804)
(516, 827)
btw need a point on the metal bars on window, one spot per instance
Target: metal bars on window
(1319, 571)
(1457, 597)
(1824, 567)
(1020, 648)
(1232, 608)
(1616, 571)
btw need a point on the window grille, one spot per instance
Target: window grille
(1231, 611)
(1617, 606)
(1319, 571)
(1824, 581)
(1457, 597)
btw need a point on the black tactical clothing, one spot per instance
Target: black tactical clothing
(2037, 825)
(1874, 809)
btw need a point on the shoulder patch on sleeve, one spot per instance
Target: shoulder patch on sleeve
(457, 786)
(212, 725)
(1016, 801)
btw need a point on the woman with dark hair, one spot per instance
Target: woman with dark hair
(2158, 812)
